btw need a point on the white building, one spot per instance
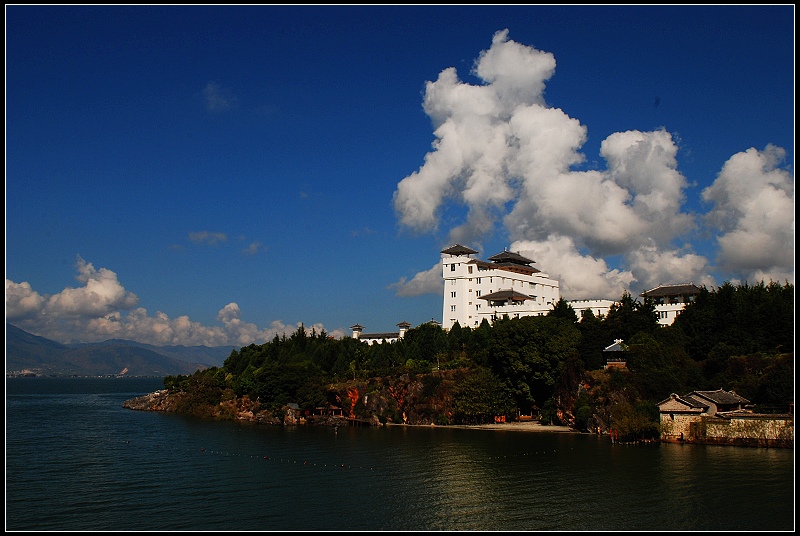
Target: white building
(475, 290)
(598, 307)
(371, 338)
(671, 300)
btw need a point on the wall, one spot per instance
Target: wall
(747, 430)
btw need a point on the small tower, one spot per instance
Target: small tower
(404, 326)
(357, 329)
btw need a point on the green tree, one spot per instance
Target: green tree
(527, 354)
(562, 309)
(479, 396)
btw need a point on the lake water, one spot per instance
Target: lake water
(77, 460)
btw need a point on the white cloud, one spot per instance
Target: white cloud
(653, 267)
(427, 282)
(753, 209)
(96, 311)
(580, 276)
(100, 295)
(508, 159)
(22, 302)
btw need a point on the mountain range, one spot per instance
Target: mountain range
(31, 355)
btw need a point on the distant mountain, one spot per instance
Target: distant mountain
(30, 354)
(213, 356)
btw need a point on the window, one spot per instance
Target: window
(478, 280)
(452, 307)
(478, 293)
(532, 285)
(452, 281)
(453, 267)
(469, 269)
(453, 294)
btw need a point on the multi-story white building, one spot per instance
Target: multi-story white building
(671, 300)
(506, 284)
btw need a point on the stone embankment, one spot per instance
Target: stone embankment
(240, 409)
(157, 401)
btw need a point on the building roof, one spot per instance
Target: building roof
(508, 266)
(404, 324)
(357, 327)
(508, 256)
(689, 403)
(618, 346)
(379, 336)
(503, 295)
(458, 249)
(719, 396)
(702, 400)
(686, 289)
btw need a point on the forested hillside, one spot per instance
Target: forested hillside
(550, 367)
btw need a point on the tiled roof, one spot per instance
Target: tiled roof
(720, 396)
(688, 289)
(458, 249)
(501, 295)
(618, 346)
(687, 401)
(508, 256)
(379, 336)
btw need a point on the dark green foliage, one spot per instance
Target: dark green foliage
(425, 341)
(635, 422)
(594, 338)
(480, 396)
(738, 337)
(527, 354)
(629, 317)
(549, 413)
(743, 319)
(584, 410)
(562, 309)
(775, 391)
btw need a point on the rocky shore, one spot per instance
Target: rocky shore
(246, 410)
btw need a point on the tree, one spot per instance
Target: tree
(479, 396)
(629, 317)
(562, 309)
(527, 355)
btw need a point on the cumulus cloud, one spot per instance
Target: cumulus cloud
(427, 282)
(508, 159)
(580, 276)
(22, 302)
(753, 210)
(102, 309)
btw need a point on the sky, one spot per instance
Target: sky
(219, 175)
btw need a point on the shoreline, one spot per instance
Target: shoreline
(528, 426)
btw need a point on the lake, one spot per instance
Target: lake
(76, 460)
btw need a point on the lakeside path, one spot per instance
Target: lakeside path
(525, 426)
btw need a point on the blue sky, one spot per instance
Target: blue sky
(216, 175)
